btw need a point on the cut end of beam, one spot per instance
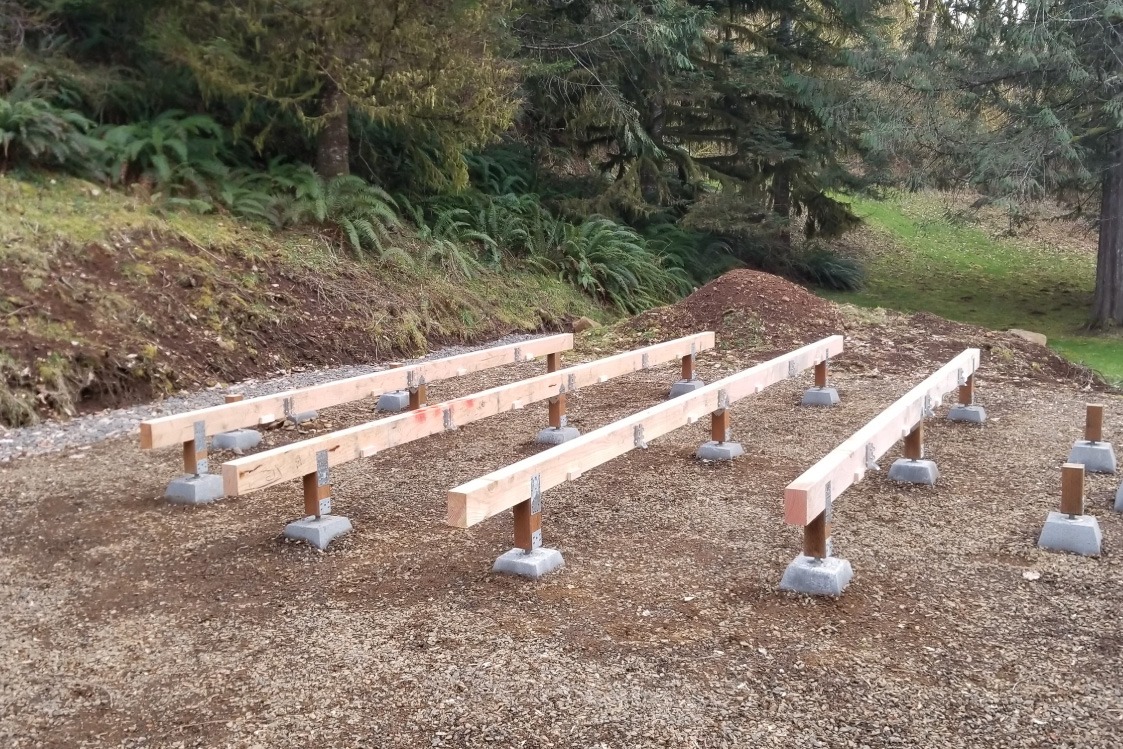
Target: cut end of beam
(796, 507)
(230, 480)
(145, 436)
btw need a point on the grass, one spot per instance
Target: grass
(919, 257)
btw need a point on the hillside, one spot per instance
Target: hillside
(109, 300)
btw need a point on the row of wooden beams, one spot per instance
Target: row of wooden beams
(171, 430)
(806, 497)
(281, 464)
(501, 490)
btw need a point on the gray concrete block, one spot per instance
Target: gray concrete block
(820, 397)
(393, 402)
(551, 436)
(817, 577)
(1080, 534)
(682, 387)
(907, 471)
(318, 532)
(195, 490)
(303, 416)
(533, 564)
(719, 450)
(1119, 499)
(969, 414)
(1096, 457)
(237, 440)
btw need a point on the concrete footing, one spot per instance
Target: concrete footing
(532, 564)
(1096, 457)
(395, 401)
(682, 387)
(561, 435)
(237, 440)
(318, 532)
(1079, 534)
(820, 397)
(195, 490)
(817, 577)
(303, 416)
(719, 450)
(906, 471)
(1119, 499)
(969, 414)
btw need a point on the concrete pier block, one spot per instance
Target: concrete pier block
(908, 471)
(1079, 534)
(1119, 499)
(237, 440)
(719, 450)
(195, 490)
(303, 416)
(969, 414)
(817, 577)
(820, 397)
(393, 402)
(1096, 457)
(682, 387)
(318, 532)
(561, 435)
(533, 564)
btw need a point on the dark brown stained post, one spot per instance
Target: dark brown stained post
(821, 374)
(1072, 489)
(815, 535)
(914, 443)
(967, 391)
(418, 396)
(557, 411)
(1094, 423)
(527, 523)
(191, 457)
(719, 425)
(313, 493)
(553, 362)
(688, 367)
(234, 397)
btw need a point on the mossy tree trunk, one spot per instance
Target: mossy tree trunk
(1107, 304)
(333, 142)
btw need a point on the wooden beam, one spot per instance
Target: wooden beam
(501, 490)
(805, 498)
(170, 430)
(281, 464)
(1072, 489)
(1094, 423)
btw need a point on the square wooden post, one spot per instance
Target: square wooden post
(967, 391)
(557, 411)
(418, 396)
(1094, 423)
(719, 426)
(553, 362)
(195, 451)
(821, 374)
(314, 495)
(688, 367)
(528, 525)
(816, 537)
(1072, 489)
(914, 443)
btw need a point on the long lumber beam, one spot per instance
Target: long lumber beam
(805, 499)
(179, 428)
(281, 464)
(501, 490)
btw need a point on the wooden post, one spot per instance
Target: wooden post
(418, 396)
(1094, 423)
(815, 537)
(192, 457)
(1072, 489)
(553, 362)
(719, 425)
(314, 491)
(688, 367)
(528, 526)
(557, 411)
(967, 391)
(914, 443)
(234, 397)
(821, 374)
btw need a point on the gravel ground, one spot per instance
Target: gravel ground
(54, 436)
(129, 622)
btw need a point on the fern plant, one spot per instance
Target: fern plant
(35, 131)
(172, 149)
(361, 212)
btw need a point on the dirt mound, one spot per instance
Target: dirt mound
(758, 311)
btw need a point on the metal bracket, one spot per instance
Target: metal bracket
(871, 460)
(287, 406)
(322, 467)
(960, 378)
(325, 506)
(829, 510)
(928, 410)
(645, 362)
(722, 400)
(518, 354)
(572, 387)
(202, 465)
(564, 420)
(414, 379)
(791, 369)
(536, 540)
(449, 426)
(536, 494)
(693, 350)
(637, 437)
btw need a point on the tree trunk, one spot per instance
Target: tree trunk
(781, 181)
(925, 14)
(333, 142)
(1107, 304)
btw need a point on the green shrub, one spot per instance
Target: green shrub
(361, 212)
(172, 150)
(36, 132)
(830, 270)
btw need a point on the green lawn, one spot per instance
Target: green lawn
(920, 260)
